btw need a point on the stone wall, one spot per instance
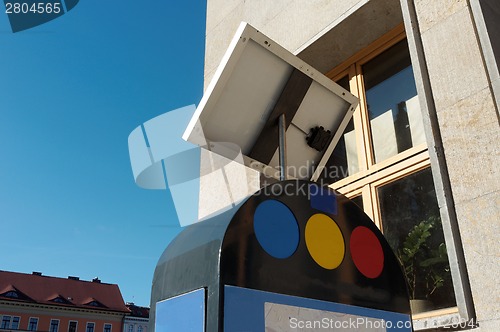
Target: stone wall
(470, 135)
(292, 23)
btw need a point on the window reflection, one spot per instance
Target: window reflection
(412, 226)
(33, 324)
(72, 326)
(344, 159)
(358, 200)
(15, 323)
(393, 107)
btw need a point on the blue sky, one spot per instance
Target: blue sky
(71, 91)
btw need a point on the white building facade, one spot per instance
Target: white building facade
(138, 319)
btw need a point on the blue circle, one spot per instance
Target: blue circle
(276, 228)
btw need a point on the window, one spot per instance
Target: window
(72, 326)
(107, 327)
(11, 294)
(61, 300)
(130, 328)
(139, 328)
(96, 303)
(344, 159)
(5, 322)
(15, 323)
(392, 103)
(358, 200)
(54, 325)
(33, 324)
(382, 164)
(90, 327)
(411, 223)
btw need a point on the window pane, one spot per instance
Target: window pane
(72, 327)
(90, 327)
(344, 159)
(107, 327)
(33, 325)
(393, 107)
(12, 294)
(358, 200)
(54, 325)
(412, 226)
(5, 322)
(15, 323)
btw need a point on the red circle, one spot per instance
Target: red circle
(366, 252)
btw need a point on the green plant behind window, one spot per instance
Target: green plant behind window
(426, 268)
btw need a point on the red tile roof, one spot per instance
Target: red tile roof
(74, 293)
(137, 311)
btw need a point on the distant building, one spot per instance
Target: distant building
(138, 319)
(33, 302)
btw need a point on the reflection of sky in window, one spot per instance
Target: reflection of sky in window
(389, 93)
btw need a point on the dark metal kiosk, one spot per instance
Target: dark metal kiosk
(285, 253)
(295, 255)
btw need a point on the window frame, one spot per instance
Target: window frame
(110, 327)
(36, 323)
(11, 294)
(7, 326)
(12, 322)
(352, 68)
(56, 325)
(76, 325)
(372, 175)
(90, 324)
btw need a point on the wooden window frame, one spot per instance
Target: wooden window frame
(352, 69)
(371, 175)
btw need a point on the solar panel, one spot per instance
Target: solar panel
(256, 82)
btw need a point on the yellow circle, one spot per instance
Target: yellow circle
(324, 241)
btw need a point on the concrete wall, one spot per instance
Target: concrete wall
(468, 125)
(310, 21)
(270, 17)
(462, 124)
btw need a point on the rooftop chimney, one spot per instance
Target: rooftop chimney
(36, 273)
(96, 279)
(73, 278)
